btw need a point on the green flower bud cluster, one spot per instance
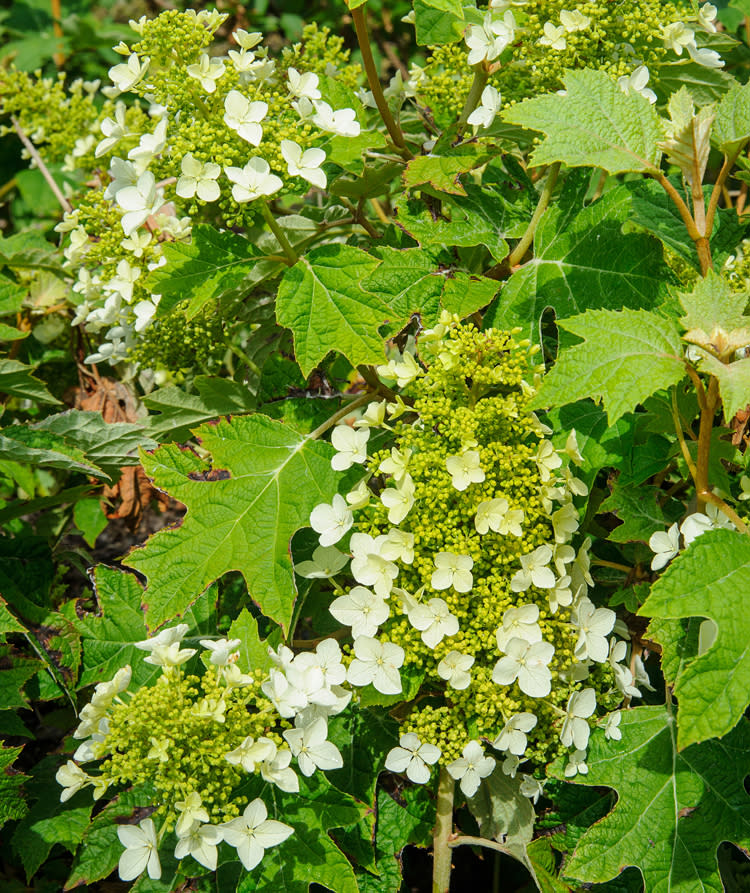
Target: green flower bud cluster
(164, 719)
(176, 735)
(55, 117)
(467, 444)
(178, 343)
(620, 37)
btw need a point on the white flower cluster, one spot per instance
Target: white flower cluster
(306, 687)
(107, 307)
(555, 568)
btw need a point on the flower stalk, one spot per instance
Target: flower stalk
(441, 870)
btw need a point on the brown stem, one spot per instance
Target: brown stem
(32, 150)
(687, 217)
(726, 510)
(441, 868)
(516, 256)
(363, 38)
(713, 202)
(708, 414)
(360, 218)
(681, 438)
(57, 58)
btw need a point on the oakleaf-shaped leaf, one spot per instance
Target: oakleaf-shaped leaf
(309, 855)
(687, 142)
(108, 637)
(732, 126)
(709, 579)
(582, 260)
(712, 303)
(321, 299)
(465, 221)
(625, 358)
(593, 125)
(266, 480)
(204, 269)
(673, 808)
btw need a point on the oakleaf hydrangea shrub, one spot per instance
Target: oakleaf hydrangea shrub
(468, 589)
(496, 551)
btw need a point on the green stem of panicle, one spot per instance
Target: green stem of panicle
(442, 852)
(290, 253)
(481, 76)
(516, 256)
(363, 38)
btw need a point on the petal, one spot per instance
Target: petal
(132, 862)
(255, 812)
(272, 833)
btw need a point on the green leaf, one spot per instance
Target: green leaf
(110, 445)
(464, 222)
(503, 813)
(708, 580)
(582, 260)
(734, 382)
(732, 124)
(26, 575)
(13, 679)
(208, 267)
(12, 804)
(8, 622)
(640, 512)
(674, 808)
(544, 871)
(90, 519)
(30, 250)
(438, 21)
(679, 642)
(602, 445)
(364, 738)
(11, 297)
(108, 637)
(654, 211)
(438, 171)
(322, 300)
(412, 283)
(253, 650)
(49, 821)
(309, 855)
(465, 294)
(270, 480)
(625, 357)
(593, 125)
(26, 443)
(398, 825)
(712, 303)
(16, 380)
(706, 85)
